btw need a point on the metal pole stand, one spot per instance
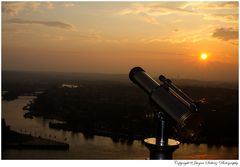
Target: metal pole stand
(161, 147)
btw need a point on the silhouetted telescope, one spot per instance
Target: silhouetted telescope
(172, 103)
(170, 99)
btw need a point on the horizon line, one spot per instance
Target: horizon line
(101, 73)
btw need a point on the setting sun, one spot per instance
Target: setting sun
(204, 56)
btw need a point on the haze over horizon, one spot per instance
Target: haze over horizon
(112, 37)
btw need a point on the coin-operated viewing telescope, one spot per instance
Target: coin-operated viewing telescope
(172, 103)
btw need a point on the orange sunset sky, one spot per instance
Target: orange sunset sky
(112, 37)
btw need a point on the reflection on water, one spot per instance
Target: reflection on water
(83, 146)
(203, 151)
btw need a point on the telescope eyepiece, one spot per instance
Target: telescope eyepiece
(162, 78)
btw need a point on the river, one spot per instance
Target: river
(98, 147)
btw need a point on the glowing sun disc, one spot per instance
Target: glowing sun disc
(204, 56)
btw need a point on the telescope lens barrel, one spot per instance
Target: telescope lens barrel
(138, 76)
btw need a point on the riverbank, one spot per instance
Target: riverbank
(15, 140)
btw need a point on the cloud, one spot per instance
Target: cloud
(149, 12)
(231, 4)
(229, 18)
(11, 8)
(217, 11)
(56, 24)
(226, 34)
(49, 5)
(68, 5)
(14, 8)
(154, 9)
(149, 19)
(173, 9)
(223, 5)
(210, 5)
(180, 36)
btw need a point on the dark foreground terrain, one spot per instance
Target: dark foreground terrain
(110, 105)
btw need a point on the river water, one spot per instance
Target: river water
(96, 148)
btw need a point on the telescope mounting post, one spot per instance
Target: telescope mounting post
(161, 147)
